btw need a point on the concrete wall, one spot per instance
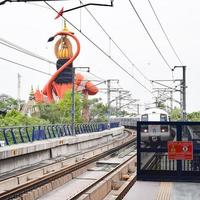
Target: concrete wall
(22, 155)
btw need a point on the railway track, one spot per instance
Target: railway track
(98, 182)
(153, 162)
(36, 187)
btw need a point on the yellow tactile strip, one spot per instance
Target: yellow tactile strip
(164, 191)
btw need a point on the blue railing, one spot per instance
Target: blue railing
(24, 134)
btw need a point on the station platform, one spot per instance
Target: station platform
(146, 190)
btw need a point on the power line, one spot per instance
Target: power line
(110, 38)
(164, 32)
(22, 50)
(149, 35)
(33, 69)
(11, 1)
(101, 50)
(25, 66)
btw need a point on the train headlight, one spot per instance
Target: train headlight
(144, 129)
(164, 129)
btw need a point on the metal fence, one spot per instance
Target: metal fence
(23, 134)
(168, 151)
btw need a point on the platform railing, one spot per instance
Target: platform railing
(24, 134)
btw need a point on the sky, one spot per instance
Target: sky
(29, 25)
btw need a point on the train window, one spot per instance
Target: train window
(163, 117)
(144, 117)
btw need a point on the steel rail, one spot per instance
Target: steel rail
(22, 189)
(127, 188)
(102, 178)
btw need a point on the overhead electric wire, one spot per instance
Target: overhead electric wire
(173, 49)
(103, 29)
(42, 72)
(12, 1)
(22, 50)
(101, 50)
(96, 76)
(133, 7)
(25, 66)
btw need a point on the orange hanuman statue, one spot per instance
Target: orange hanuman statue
(61, 80)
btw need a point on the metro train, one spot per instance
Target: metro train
(155, 133)
(128, 122)
(150, 134)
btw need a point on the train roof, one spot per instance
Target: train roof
(154, 110)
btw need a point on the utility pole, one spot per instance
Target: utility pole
(73, 99)
(108, 102)
(73, 102)
(166, 92)
(138, 109)
(120, 102)
(122, 94)
(116, 107)
(18, 87)
(171, 100)
(108, 98)
(183, 92)
(18, 90)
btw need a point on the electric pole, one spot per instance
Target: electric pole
(18, 90)
(73, 102)
(183, 93)
(73, 98)
(108, 98)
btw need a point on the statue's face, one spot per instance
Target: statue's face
(64, 42)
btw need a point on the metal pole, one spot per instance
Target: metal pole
(73, 103)
(171, 100)
(108, 101)
(120, 102)
(181, 98)
(184, 93)
(116, 107)
(138, 109)
(19, 90)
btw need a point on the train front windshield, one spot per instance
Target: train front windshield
(144, 118)
(163, 117)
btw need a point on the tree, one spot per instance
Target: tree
(175, 114)
(50, 112)
(194, 116)
(65, 106)
(161, 105)
(7, 103)
(98, 111)
(15, 118)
